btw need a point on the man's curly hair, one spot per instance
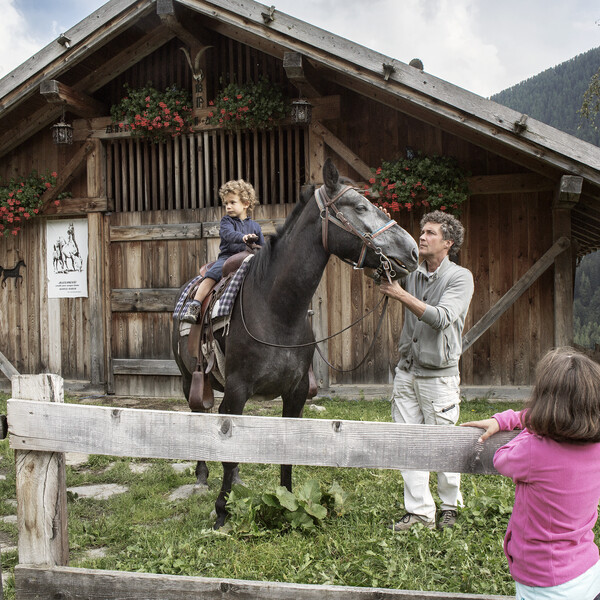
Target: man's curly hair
(452, 228)
(240, 188)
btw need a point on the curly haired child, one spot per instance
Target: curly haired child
(236, 229)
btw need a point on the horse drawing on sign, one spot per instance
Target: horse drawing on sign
(70, 252)
(270, 344)
(66, 257)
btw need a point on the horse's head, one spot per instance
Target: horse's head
(358, 232)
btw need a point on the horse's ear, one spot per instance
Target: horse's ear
(331, 176)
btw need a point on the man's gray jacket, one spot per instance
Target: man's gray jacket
(431, 346)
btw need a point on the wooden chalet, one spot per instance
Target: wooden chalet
(152, 210)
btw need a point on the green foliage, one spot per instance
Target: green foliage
(556, 95)
(430, 182)
(590, 105)
(252, 105)
(252, 514)
(153, 114)
(21, 199)
(586, 306)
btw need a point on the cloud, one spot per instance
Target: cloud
(16, 44)
(445, 34)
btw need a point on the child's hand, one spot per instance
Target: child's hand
(490, 425)
(250, 237)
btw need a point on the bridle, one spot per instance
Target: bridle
(325, 203)
(385, 268)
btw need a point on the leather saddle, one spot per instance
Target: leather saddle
(201, 336)
(201, 393)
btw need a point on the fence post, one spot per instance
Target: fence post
(41, 485)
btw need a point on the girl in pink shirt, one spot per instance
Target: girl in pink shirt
(555, 464)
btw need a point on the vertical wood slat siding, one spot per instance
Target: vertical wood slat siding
(186, 172)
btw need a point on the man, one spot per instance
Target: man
(426, 389)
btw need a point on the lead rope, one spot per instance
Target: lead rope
(386, 271)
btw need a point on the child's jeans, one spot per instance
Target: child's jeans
(584, 587)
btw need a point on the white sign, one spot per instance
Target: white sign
(66, 257)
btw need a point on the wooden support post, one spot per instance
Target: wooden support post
(566, 198)
(515, 292)
(6, 367)
(317, 128)
(315, 156)
(41, 485)
(301, 74)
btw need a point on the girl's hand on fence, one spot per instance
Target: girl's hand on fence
(490, 425)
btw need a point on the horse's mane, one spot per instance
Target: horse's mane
(264, 256)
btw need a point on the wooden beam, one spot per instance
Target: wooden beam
(81, 104)
(515, 292)
(49, 427)
(168, 231)
(41, 583)
(301, 73)
(509, 184)
(73, 167)
(567, 196)
(7, 368)
(167, 11)
(77, 206)
(145, 366)
(27, 127)
(340, 148)
(324, 108)
(144, 300)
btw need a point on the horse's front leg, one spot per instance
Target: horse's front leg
(234, 400)
(293, 405)
(221, 503)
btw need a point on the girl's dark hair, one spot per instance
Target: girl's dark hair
(565, 402)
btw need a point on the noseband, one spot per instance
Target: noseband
(325, 203)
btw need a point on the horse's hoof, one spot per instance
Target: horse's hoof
(219, 523)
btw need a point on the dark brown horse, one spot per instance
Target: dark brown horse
(270, 346)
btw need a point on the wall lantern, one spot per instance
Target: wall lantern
(62, 133)
(301, 112)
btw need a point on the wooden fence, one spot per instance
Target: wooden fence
(42, 428)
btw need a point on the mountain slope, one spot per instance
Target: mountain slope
(554, 96)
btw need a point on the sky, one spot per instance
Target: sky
(483, 46)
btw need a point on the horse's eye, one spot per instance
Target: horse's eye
(360, 208)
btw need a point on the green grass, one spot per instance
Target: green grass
(142, 530)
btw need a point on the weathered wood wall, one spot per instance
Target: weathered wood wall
(505, 236)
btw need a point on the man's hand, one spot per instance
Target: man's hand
(393, 289)
(397, 292)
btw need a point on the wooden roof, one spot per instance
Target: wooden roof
(122, 32)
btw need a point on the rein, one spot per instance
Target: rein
(325, 204)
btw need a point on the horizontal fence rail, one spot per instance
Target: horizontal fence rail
(42, 428)
(56, 427)
(42, 583)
